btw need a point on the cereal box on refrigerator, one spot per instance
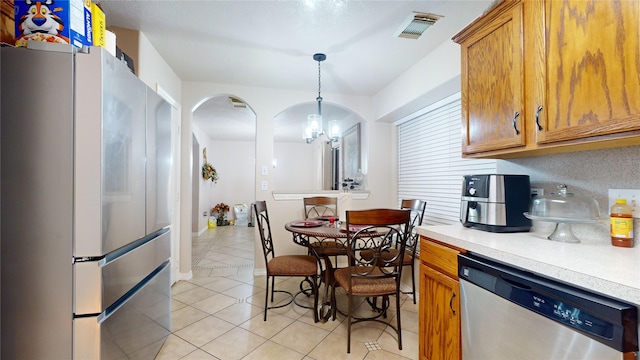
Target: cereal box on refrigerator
(99, 26)
(59, 21)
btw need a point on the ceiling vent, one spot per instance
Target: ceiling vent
(237, 103)
(415, 25)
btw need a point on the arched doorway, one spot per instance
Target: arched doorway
(315, 166)
(225, 126)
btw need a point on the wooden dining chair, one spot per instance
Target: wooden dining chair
(283, 265)
(379, 276)
(320, 206)
(315, 207)
(417, 208)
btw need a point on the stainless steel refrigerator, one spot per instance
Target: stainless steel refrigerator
(85, 252)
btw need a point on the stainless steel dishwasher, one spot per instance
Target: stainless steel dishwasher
(507, 313)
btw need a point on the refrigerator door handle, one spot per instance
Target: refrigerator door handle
(114, 255)
(81, 259)
(113, 308)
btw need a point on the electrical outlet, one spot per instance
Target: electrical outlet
(265, 171)
(632, 196)
(264, 185)
(537, 192)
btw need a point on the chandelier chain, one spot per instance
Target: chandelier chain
(315, 126)
(319, 98)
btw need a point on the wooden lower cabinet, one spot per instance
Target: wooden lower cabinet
(439, 318)
(439, 315)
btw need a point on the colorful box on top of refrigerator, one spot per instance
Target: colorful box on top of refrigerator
(98, 25)
(57, 21)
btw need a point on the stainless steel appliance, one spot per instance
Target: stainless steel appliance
(495, 202)
(507, 313)
(85, 207)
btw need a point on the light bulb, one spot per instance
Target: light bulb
(334, 129)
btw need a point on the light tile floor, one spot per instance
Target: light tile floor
(218, 314)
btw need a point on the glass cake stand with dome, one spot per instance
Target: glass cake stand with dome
(564, 209)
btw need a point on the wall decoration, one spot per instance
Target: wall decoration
(351, 152)
(208, 171)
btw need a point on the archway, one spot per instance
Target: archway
(225, 126)
(315, 165)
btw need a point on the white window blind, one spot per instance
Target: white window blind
(430, 165)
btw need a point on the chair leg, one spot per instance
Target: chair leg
(385, 305)
(266, 300)
(349, 310)
(316, 293)
(333, 300)
(273, 286)
(398, 324)
(413, 284)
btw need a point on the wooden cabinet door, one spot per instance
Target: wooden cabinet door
(492, 81)
(588, 77)
(439, 332)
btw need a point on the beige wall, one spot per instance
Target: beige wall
(431, 79)
(294, 158)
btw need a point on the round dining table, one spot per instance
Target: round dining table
(302, 230)
(324, 239)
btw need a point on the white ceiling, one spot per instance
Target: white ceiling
(271, 44)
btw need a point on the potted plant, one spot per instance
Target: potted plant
(220, 212)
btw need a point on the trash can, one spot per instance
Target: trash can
(240, 211)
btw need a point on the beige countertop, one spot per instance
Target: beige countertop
(596, 266)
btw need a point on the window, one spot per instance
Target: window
(430, 166)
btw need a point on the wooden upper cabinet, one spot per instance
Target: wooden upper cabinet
(492, 81)
(588, 79)
(569, 68)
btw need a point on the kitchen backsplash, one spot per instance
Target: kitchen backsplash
(587, 173)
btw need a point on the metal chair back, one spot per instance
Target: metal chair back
(320, 206)
(417, 208)
(264, 228)
(375, 231)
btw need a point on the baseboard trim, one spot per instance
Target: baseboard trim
(184, 276)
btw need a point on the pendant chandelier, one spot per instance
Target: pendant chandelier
(314, 128)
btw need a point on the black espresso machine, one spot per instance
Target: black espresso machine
(496, 202)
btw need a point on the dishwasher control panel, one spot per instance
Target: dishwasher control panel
(561, 311)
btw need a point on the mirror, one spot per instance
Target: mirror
(298, 166)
